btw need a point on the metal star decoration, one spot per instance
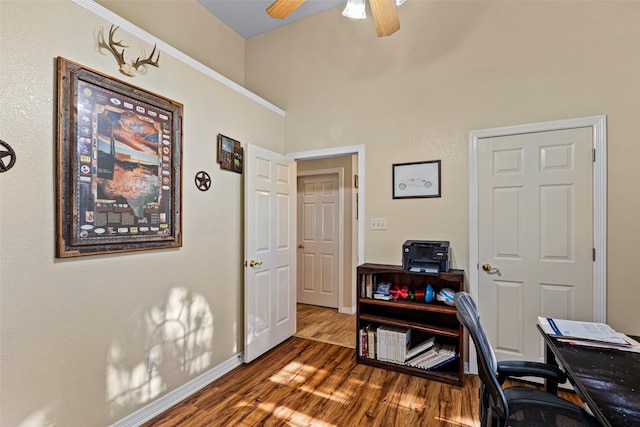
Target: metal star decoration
(203, 181)
(6, 152)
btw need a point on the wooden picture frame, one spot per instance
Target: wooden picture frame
(230, 154)
(416, 180)
(119, 177)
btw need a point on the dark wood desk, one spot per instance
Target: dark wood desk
(607, 380)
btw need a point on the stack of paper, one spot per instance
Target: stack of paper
(586, 333)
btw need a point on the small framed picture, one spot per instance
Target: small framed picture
(238, 155)
(230, 154)
(416, 180)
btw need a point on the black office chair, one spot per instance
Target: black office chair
(516, 406)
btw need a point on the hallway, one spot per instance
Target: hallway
(326, 325)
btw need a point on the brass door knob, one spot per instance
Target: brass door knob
(253, 263)
(300, 246)
(489, 269)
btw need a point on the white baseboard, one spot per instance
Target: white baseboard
(165, 402)
(347, 310)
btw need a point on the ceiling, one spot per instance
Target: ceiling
(249, 17)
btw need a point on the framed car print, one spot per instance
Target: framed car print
(119, 178)
(417, 179)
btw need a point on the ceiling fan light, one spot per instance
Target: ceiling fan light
(399, 2)
(355, 9)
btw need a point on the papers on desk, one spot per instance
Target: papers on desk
(585, 333)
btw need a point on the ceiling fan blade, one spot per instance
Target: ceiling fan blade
(280, 9)
(385, 16)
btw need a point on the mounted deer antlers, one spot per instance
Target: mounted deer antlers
(126, 69)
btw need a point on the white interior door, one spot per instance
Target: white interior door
(535, 216)
(318, 240)
(270, 253)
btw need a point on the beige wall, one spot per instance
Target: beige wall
(455, 67)
(75, 333)
(189, 27)
(350, 224)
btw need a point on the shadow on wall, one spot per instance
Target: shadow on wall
(42, 417)
(178, 333)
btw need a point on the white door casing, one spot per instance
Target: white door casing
(270, 250)
(358, 150)
(320, 237)
(551, 251)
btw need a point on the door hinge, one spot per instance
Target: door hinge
(594, 254)
(594, 155)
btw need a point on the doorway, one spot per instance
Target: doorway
(354, 211)
(320, 236)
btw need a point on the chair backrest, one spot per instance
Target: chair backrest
(487, 365)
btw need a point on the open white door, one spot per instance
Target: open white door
(269, 249)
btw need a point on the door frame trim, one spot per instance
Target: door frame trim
(344, 151)
(340, 173)
(599, 128)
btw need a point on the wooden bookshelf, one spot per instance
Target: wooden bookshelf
(422, 318)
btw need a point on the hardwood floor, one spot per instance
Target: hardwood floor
(312, 383)
(309, 383)
(326, 325)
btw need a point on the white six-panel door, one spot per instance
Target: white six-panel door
(536, 232)
(270, 250)
(318, 238)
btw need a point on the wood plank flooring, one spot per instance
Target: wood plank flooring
(312, 383)
(309, 383)
(326, 325)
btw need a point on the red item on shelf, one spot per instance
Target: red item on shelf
(399, 292)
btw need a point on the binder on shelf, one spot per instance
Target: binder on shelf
(434, 358)
(420, 348)
(371, 342)
(361, 343)
(392, 344)
(449, 359)
(369, 288)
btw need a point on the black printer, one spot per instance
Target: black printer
(425, 256)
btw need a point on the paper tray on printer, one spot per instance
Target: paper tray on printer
(435, 269)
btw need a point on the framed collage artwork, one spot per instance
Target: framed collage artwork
(230, 154)
(119, 176)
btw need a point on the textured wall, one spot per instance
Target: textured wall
(75, 333)
(455, 67)
(191, 28)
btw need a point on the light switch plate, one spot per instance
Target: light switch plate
(378, 223)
